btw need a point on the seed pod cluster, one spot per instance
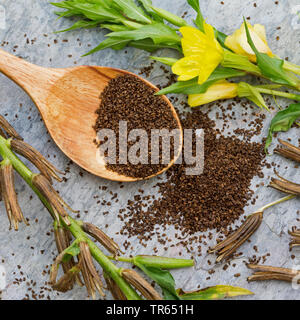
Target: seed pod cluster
(63, 241)
(48, 171)
(90, 275)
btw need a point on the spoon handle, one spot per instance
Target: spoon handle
(25, 74)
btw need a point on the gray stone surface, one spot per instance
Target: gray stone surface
(24, 248)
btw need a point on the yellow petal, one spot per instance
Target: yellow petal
(238, 42)
(209, 31)
(193, 41)
(202, 54)
(220, 90)
(210, 61)
(187, 67)
(261, 31)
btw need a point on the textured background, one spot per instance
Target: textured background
(21, 252)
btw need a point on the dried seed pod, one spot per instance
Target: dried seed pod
(295, 234)
(272, 273)
(12, 206)
(102, 238)
(63, 241)
(289, 151)
(227, 247)
(4, 124)
(28, 152)
(114, 288)
(56, 202)
(90, 275)
(139, 283)
(286, 186)
(54, 268)
(66, 282)
(3, 134)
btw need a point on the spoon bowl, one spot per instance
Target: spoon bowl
(67, 100)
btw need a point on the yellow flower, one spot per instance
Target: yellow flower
(238, 43)
(219, 90)
(202, 54)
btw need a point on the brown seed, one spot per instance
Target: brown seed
(212, 200)
(127, 98)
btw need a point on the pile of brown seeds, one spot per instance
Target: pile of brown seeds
(127, 98)
(212, 200)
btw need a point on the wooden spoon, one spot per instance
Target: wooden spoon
(67, 100)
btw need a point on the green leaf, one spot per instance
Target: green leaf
(150, 46)
(163, 278)
(97, 12)
(186, 87)
(165, 60)
(158, 32)
(114, 27)
(199, 20)
(213, 293)
(192, 86)
(132, 11)
(170, 17)
(245, 90)
(70, 252)
(81, 24)
(283, 121)
(147, 6)
(115, 43)
(271, 67)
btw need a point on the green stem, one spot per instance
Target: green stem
(157, 262)
(279, 93)
(74, 227)
(276, 202)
